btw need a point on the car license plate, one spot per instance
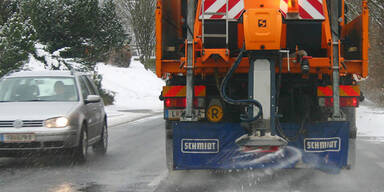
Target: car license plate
(18, 138)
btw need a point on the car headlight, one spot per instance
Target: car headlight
(58, 122)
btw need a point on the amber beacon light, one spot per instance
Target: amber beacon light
(293, 9)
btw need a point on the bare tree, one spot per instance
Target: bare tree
(140, 14)
(376, 8)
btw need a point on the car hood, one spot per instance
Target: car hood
(35, 110)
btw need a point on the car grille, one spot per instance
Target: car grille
(20, 145)
(26, 123)
(32, 145)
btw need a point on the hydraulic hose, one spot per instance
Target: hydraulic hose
(224, 96)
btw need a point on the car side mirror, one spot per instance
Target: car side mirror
(93, 99)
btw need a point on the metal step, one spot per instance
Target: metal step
(215, 35)
(213, 13)
(204, 35)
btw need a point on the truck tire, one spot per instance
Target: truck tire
(351, 117)
(169, 145)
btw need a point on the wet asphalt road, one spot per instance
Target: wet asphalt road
(366, 176)
(136, 162)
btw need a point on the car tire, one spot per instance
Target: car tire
(101, 146)
(80, 153)
(169, 145)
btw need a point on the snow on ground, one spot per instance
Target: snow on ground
(118, 115)
(370, 120)
(135, 87)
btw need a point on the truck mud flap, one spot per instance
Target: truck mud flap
(212, 146)
(323, 145)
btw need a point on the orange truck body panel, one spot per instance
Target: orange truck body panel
(204, 64)
(262, 29)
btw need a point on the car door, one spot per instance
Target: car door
(89, 109)
(98, 107)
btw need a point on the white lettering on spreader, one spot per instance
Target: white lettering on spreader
(200, 145)
(322, 144)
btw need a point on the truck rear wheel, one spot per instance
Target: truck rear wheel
(351, 117)
(169, 145)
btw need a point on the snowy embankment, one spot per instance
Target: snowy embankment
(370, 121)
(136, 89)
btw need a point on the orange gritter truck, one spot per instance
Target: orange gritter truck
(260, 83)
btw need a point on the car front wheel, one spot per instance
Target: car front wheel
(101, 146)
(80, 153)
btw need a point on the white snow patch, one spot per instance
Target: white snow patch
(53, 59)
(156, 181)
(135, 87)
(370, 121)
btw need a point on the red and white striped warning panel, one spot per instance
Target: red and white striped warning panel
(308, 9)
(345, 91)
(235, 8)
(181, 91)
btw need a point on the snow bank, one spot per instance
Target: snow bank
(135, 87)
(370, 121)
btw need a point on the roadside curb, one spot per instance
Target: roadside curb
(121, 119)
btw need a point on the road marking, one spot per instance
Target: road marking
(371, 155)
(380, 164)
(156, 181)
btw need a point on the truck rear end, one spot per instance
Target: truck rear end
(260, 83)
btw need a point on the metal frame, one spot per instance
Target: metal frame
(203, 13)
(335, 30)
(189, 116)
(205, 66)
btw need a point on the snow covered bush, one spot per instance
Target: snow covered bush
(90, 29)
(17, 40)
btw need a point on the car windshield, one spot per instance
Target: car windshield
(34, 89)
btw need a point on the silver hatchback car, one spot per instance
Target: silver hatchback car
(51, 110)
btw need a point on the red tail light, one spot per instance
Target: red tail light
(181, 102)
(344, 102)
